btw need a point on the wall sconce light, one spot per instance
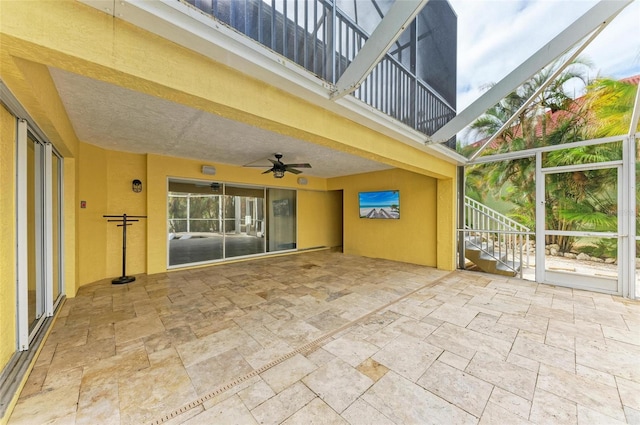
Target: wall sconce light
(302, 180)
(208, 169)
(137, 186)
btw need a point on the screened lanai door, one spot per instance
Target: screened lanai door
(563, 196)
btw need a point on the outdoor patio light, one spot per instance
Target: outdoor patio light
(137, 186)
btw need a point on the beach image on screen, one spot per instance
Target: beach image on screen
(384, 204)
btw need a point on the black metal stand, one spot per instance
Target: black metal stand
(126, 220)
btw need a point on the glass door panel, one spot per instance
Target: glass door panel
(581, 229)
(582, 200)
(194, 222)
(281, 234)
(244, 221)
(35, 233)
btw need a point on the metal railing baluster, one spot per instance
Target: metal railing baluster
(337, 39)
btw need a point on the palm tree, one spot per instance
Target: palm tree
(582, 200)
(610, 103)
(552, 98)
(528, 131)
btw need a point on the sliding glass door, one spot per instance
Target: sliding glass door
(39, 229)
(210, 222)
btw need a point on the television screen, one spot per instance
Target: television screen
(383, 204)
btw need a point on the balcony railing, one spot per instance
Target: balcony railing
(318, 36)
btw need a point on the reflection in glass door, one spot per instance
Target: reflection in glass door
(282, 219)
(244, 217)
(581, 223)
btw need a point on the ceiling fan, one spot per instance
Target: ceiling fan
(279, 168)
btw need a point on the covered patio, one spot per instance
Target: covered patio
(323, 337)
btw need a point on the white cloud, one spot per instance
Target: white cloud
(495, 36)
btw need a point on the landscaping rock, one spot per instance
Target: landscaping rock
(583, 256)
(597, 260)
(570, 255)
(610, 261)
(553, 251)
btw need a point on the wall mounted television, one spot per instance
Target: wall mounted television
(383, 204)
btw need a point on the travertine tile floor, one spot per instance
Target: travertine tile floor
(325, 338)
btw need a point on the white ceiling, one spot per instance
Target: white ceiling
(117, 118)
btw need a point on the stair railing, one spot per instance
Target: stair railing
(505, 240)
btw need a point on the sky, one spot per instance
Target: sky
(486, 55)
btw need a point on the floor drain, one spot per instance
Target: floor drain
(306, 348)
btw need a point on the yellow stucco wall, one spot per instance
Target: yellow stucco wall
(122, 169)
(446, 219)
(69, 211)
(160, 168)
(412, 238)
(104, 182)
(7, 237)
(110, 50)
(92, 187)
(319, 219)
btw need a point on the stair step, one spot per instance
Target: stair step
(511, 270)
(487, 256)
(485, 261)
(476, 240)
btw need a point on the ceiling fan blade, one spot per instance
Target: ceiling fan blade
(292, 170)
(270, 170)
(306, 165)
(274, 162)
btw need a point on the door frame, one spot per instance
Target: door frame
(589, 283)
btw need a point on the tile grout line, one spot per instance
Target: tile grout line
(306, 347)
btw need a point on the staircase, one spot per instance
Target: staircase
(493, 242)
(485, 256)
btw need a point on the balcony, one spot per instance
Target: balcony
(414, 82)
